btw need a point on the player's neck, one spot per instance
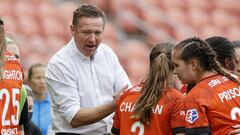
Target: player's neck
(205, 74)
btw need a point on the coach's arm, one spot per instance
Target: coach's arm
(92, 115)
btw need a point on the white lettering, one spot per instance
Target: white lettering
(122, 106)
(129, 107)
(220, 95)
(224, 78)
(158, 109)
(11, 58)
(12, 75)
(213, 83)
(133, 108)
(229, 94)
(136, 89)
(9, 131)
(182, 112)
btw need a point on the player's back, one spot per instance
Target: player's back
(10, 96)
(216, 104)
(165, 115)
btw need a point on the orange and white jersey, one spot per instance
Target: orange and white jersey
(10, 95)
(167, 116)
(213, 105)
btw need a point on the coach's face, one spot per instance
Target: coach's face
(88, 34)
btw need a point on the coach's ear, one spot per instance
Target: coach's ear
(73, 29)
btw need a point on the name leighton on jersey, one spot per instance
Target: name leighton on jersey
(12, 75)
(129, 107)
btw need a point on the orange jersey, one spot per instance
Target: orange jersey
(167, 115)
(213, 105)
(183, 90)
(10, 96)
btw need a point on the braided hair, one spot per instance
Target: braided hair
(199, 49)
(224, 50)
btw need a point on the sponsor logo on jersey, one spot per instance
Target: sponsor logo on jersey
(191, 115)
(217, 81)
(11, 58)
(9, 131)
(136, 89)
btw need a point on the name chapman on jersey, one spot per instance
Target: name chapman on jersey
(226, 95)
(12, 75)
(129, 107)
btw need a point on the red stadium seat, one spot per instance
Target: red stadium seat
(174, 3)
(210, 30)
(28, 26)
(223, 19)
(21, 8)
(233, 32)
(52, 26)
(197, 18)
(228, 5)
(136, 63)
(199, 4)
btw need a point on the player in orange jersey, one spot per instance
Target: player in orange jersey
(212, 106)
(153, 107)
(225, 52)
(225, 55)
(11, 77)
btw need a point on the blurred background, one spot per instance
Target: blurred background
(41, 27)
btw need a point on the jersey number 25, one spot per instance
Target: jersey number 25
(15, 103)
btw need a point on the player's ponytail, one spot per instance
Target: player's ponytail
(155, 83)
(2, 47)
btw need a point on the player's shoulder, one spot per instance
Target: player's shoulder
(10, 57)
(135, 90)
(207, 85)
(171, 96)
(12, 64)
(212, 81)
(174, 93)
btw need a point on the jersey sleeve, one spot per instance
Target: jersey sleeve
(116, 119)
(196, 120)
(116, 123)
(177, 114)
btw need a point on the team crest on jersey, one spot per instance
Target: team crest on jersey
(191, 115)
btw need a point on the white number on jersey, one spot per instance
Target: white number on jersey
(15, 103)
(235, 112)
(137, 125)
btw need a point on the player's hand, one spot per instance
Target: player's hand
(236, 130)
